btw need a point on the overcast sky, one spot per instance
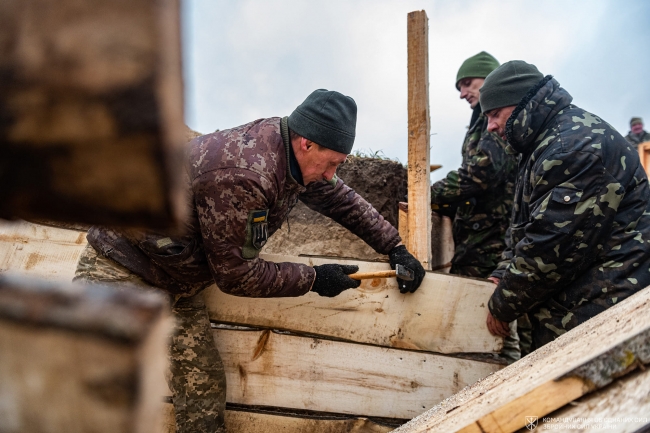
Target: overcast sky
(248, 59)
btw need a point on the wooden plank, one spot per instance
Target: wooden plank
(419, 191)
(446, 314)
(644, 155)
(403, 223)
(271, 369)
(622, 407)
(77, 359)
(92, 125)
(376, 313)
(594, 353)
(241, 421)
(442, 242)
(40, 251)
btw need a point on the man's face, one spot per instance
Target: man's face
(497, 119)
(318, 162)
(637, 128)
(469, 89)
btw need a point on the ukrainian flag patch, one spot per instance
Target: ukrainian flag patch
(259, 216)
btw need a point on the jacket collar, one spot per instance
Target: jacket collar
(534, 112)
(293, 169)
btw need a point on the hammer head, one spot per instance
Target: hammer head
(403, 273)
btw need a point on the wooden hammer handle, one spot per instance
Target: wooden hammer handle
(369, 275)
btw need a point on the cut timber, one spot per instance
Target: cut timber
(92, 111)
(588, 357)
(40, 251)
(442, 242)
(376, 313)
(446, 314)
(77, 359)
(403, 223)
(419, 190)
(625, 403)
(241, 421)
(644, 155)
(272, 369)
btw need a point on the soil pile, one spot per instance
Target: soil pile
(381, 182)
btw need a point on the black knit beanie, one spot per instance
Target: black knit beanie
(508, 84)
(327, 118)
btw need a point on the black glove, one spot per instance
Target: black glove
(400, 256)
(331, 280)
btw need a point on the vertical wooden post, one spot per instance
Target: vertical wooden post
(402, 224)
(419, 192)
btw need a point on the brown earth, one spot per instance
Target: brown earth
(381, 182)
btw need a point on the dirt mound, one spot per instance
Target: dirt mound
(381, 182)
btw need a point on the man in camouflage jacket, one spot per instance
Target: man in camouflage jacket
(580, 233)
(637, 134)
(481, 190)
(243, 183)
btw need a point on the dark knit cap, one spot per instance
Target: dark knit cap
(508, 84)
(477, 66)
(327, 118)
(635, 120)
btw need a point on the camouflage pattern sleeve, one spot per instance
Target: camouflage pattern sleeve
(224, 198)
(572, 207)
(483, 167)
(339, 202)
(506, 257)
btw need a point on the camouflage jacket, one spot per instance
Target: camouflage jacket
(637, 139)
(482, 189)
(242, 191)
(580, 233)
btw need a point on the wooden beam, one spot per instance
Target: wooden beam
(621, 407)
(272, 369)
(403, 224)
(244, 421)
(376, 313)
(92, 103)
(78, 359)
(442, 242)
(419, 191)
(588, 357)
(644, 155)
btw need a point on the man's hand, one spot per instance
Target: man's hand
(495, 280)
(400, 256)
(332, 279)
(497, 327)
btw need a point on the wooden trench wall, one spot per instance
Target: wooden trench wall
(364, 361)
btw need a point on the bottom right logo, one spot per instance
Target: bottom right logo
(531, 422)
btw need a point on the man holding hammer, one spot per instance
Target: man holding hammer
(243, 182)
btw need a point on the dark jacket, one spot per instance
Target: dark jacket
(482, 190)
(580, 234)
(637, 139)
(241, 193)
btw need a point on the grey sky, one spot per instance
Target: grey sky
(248, 59)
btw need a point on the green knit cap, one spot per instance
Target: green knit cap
(635, 120)
(478, 66)
(508, 84)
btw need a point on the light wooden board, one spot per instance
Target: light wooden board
(77, 359)
(446, 314)
(92, 97)
(535, 371)
(270, 369)
(419, 149)
(622, 407)
(40, 251)
(238, 421)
